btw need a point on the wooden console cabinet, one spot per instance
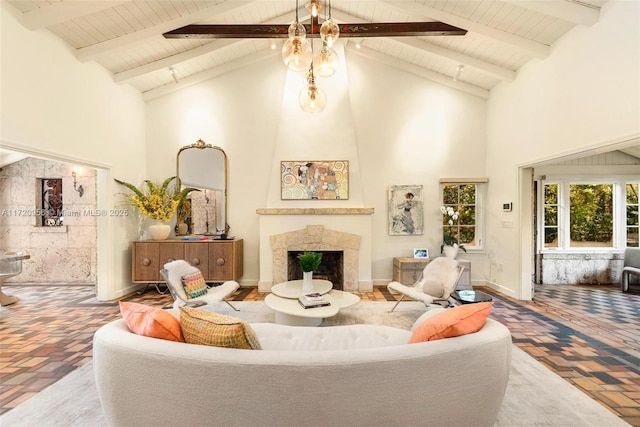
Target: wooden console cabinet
(408, 270)
(219, 260)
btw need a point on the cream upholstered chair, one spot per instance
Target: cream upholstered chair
(631, 266)
(173, 273)
(438, 279)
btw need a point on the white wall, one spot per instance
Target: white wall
(407, 131)
(411, 131)
(585, 95)
(55, 107)
(238, 112)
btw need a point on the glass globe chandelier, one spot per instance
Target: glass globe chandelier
(312, 99)
(329, 30)
(296, 51)
(327, 60)
(297, 54)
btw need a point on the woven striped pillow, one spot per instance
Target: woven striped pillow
(209, 328)
(194, 285)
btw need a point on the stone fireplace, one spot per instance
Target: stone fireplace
(316, 238)
(345, 230)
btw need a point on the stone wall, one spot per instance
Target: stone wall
(58, 254)
(317, 238)
(581, 268)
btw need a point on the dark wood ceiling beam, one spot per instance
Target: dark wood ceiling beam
(267, 31)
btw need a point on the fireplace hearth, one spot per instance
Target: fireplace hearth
(331, 268)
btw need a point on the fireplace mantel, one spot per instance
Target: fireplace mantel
(315, 211)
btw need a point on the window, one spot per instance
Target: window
(632, 215)
(551, 216)
(51, 202)
(589, 215)
(462, 198)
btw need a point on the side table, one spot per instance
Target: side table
(407, 271)
(470, 297)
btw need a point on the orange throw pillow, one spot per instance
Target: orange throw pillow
(461, 320)
(151, 321)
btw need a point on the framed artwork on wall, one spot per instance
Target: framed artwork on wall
(314, 180)
(406, 210)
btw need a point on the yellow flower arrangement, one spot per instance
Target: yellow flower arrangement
(157, 201)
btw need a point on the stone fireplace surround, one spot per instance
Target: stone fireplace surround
(322, 229)
(317, 238)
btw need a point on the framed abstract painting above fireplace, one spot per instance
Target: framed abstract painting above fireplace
(406, 210)
(314, 180)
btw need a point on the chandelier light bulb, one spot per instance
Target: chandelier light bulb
(314, 6)
(312, 99)
(329, 32)
(327, 62)
(297, 30)
(296, 54)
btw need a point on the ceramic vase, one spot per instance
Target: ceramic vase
(307, 281)
(159, 230)
(451, 251)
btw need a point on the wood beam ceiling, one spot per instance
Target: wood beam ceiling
(268, 31)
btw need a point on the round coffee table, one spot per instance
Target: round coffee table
(284, 301)
(293, 288)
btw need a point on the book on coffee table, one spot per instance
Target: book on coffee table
(312, 304)
(315, 296)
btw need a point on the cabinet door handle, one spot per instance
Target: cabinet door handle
(220, 261)
(146, 262)
(195, 261)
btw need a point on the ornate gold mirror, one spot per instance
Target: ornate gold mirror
(203, 166)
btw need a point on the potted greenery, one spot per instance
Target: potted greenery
(157, 201)
(309, 262)
(450, 245)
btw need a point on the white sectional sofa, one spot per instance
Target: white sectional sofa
(352, 375)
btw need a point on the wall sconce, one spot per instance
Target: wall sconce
(77, 187)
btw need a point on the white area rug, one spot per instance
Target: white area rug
(535, 396)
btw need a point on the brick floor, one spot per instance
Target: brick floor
(589, 335)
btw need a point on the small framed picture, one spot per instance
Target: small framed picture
(421, 253)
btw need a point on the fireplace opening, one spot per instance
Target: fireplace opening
(331, 267)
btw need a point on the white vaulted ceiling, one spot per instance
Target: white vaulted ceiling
(126, 38)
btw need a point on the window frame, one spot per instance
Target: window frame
(481, 189)
(619, 212)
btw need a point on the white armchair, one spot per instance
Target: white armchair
(434, 286)
(173, 273)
